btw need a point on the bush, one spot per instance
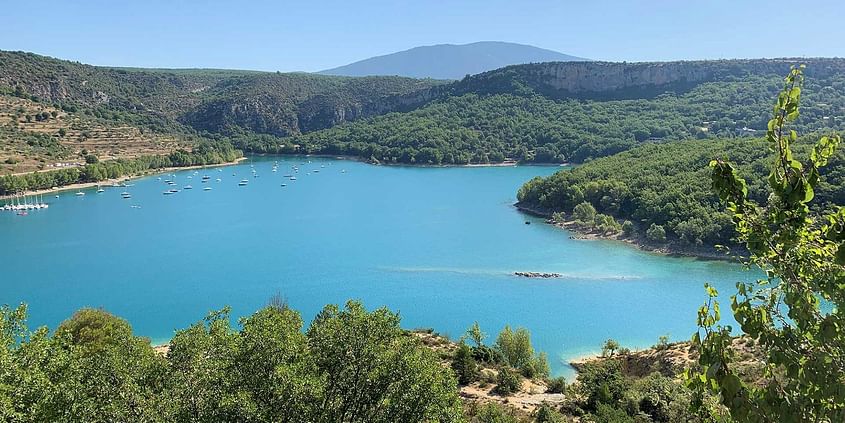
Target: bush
(557, 385)
(656, 233)
(508, 381)
(91, 159)
(607, 224)
(547, 414)
(11, 161)
(602, 383)
(494, 413)
(610, 347)
(464, 365)
(584, 214)
(662, 342)
(537, 367)
(489, 355)
(628, 228)
(608, 414)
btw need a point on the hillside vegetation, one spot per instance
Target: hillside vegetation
(667, 185)
(191, 100)
(535, 113)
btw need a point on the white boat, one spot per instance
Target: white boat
(284, 185)
(80, 194)
(207, 189)
(188, 187)
(218, 180)
(293, 178)
(243, 182)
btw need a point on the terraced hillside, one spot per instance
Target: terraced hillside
(34, 136)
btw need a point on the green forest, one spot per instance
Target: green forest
(479, 128)
(665, 185)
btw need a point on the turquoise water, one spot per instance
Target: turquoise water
(437, 244)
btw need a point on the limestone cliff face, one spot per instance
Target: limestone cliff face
(607, 80)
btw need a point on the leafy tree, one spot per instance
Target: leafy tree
(557, 385)
(610, 347)
(584, 214)
(507, 382)
(602, 383)
(464, 365)
(547, 414)
(656, 233)
(628, 228)
(274, 376)
(515, 346)
(795, 314)
(494, 413)
(374, 373)
(476, 335)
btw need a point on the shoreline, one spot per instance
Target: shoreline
(666, 250)
(507, 163)
(108, 182)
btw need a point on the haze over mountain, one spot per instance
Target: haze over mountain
(450, 61)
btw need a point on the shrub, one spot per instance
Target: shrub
(656, 233)
(557, 385)
(607, 414)
(662, 342)
(610, 347)
(547, 414)
(508, 381)
(515, 347)
(537, 367)
(464, 365)
(485, 354)
(607, 224)
(91, 159)
(494, 413)
(628, 228)
(584, 214)
(476, 335)
(602, 383)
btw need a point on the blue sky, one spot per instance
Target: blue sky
(312, 35)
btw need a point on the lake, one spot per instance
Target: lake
(439, 245)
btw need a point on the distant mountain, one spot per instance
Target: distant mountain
(450, 61)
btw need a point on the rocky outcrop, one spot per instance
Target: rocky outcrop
(537, 275)
(604, 80)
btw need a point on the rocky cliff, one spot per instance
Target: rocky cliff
(607, 80)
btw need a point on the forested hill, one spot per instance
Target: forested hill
(575, 112)
(667, 186)
(545, 112)
(187, 100)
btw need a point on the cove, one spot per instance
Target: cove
(438, 245)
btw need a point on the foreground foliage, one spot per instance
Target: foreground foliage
(350, 365)
(795, 314)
